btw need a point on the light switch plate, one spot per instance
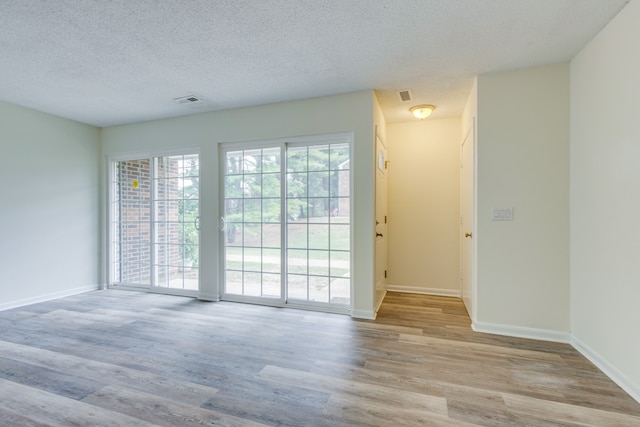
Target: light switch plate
(502, 214)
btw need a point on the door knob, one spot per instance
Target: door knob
(467, 234)
(378, 235)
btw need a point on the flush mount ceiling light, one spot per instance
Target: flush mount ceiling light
(422, 111)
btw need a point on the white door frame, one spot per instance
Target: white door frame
(471, 300)
(381, 246)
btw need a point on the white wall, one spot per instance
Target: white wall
(605, 201)
(522, 159)
(49, 187)
(342, 113)
(424, 206)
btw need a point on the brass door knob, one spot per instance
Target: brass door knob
(467, 234)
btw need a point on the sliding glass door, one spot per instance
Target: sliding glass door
(286, 223)
(155, 222)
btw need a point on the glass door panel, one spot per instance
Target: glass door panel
(131, 214)
(176, 258)
(252, 223)
(318, 224)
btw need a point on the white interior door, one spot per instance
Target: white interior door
(381, 219)
(466, 220)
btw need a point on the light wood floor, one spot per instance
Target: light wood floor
(116, 358)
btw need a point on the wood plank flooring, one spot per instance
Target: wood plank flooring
(118, 358)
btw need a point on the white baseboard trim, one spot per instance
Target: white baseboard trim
(48, 297)
(380, 301)
(426, 291)
(609, 370)
(363, 314)
(521, 332)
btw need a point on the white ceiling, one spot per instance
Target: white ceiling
(120, 61)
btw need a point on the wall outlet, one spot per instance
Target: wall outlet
(502, 214)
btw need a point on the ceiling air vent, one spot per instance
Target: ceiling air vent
(405, 95)
(189, 99)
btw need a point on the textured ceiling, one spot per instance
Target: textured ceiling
(120, 61)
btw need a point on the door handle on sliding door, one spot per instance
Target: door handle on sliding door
(224, 224)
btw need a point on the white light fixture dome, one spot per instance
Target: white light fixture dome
(422, 111)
